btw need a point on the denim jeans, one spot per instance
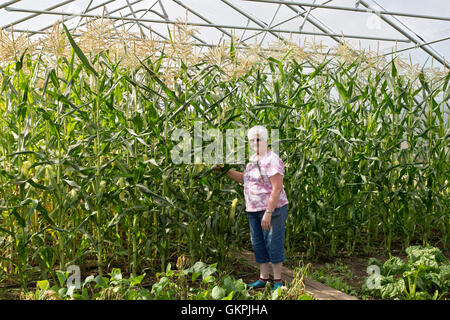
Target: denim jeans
(268, 245)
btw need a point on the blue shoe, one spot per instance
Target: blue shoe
(277, 285)
(257, 284)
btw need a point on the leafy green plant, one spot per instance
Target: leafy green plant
(119, 288)
(426, 275)
(335, 276)
(229, 289)
(113, 288)
(186, 284)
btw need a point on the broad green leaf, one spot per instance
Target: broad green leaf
(78, 52)
(218, 293)
(43, 284)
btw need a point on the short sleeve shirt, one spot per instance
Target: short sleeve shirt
(257, 185)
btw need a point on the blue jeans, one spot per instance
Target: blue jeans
(268, 245)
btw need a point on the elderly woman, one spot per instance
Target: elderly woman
(266, 205)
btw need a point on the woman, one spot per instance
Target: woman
(266, 206)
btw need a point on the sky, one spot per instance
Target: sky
(221, 13)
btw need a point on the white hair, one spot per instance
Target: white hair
(260, 131)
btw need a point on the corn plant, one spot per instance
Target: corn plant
(87, 176)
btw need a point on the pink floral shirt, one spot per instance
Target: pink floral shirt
(257, 190)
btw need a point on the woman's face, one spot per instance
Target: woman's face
(258, 145)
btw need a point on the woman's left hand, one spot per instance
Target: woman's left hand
(277, 186)
(265, 222)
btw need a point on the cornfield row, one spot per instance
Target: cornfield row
(86, 171)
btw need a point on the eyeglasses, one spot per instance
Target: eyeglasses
(255, 140)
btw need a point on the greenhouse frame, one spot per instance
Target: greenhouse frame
(141, 15)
